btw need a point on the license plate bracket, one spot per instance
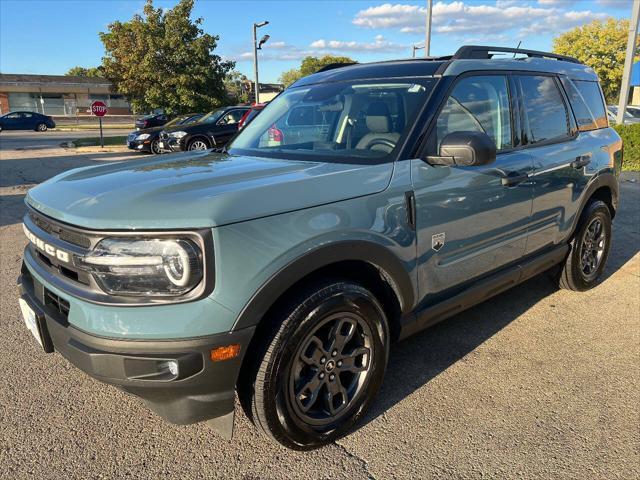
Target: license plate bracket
(35, 322)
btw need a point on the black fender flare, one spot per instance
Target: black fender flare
(605, 179)
(389, 265)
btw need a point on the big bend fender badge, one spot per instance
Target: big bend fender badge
(437, 241)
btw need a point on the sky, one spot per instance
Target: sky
(51, 36)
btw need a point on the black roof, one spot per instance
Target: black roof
(421, 67)
(418, 67)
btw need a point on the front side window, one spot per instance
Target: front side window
(477, 104)
(232, 117)
(544, 108)
(335, 120)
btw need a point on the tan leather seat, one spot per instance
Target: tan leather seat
(378, 120)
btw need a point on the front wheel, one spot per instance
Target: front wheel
(589, 249)
(41, 127)
(197, 144)
(322, 367)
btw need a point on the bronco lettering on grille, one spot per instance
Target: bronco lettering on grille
(45, 247)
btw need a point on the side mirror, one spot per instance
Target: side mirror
(465, 149)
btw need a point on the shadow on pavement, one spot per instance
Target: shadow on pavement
(417, 360)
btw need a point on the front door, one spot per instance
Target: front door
(472, 220)
(227, 126)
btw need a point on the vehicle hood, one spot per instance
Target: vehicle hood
(199, 190)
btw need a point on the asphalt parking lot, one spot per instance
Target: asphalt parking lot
(536, 383)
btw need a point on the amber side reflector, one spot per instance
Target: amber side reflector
(227, 352)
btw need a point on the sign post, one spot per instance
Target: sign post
(99, 109)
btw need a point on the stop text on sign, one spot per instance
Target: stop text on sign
(98, 108)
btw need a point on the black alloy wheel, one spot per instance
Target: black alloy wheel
(320, 364)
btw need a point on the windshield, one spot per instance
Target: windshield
(213, 116)
(182, 119)
(335, 120)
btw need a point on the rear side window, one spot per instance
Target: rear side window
(544, 107)
(587, 103)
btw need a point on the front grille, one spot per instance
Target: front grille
(63, 233)
(131, 137)
(56, 302)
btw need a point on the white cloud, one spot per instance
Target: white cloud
(463, 19)
(380, 44)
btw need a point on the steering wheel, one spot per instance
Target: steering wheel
(383, 142)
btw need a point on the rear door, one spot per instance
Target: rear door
(472, 220)
(560, 157)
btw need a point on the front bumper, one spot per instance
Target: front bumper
(200, 390)
(170, 144)
(139, 145)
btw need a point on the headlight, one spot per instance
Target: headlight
(145, 267)
(179, 134)
(144, 136)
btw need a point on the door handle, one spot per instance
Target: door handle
(513, 178)
(581, 161)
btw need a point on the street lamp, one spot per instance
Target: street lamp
(415, 48)
(257, 46)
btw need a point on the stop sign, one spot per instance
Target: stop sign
(98, 108)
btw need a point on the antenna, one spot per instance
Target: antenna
(519, 43)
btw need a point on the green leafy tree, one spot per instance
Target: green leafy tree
(601, 45)
(238, 87)
(311, 65)
(85, 72)
(162, 59)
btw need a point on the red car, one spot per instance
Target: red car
(250, 115)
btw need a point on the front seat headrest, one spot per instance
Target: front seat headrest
(378, 118)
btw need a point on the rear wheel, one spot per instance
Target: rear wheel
(322, 366)
(198, 144)
(41, 127)
(589, 249)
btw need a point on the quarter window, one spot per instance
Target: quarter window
(544, 108)
(478, 104)
(592, 96)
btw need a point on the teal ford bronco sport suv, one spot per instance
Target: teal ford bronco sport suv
(365, 203)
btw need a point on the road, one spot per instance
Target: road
(13, 140)
(536, 383)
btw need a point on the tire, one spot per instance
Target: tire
(590, 248)
(305, 404)
(155, 147)
(41, 127)
(198, 144)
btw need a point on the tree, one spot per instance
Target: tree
(85, 72)
(163, 60)
(602, 46)
(238, 87)
(311, 65)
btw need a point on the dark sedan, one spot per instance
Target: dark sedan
(154, 120)
(215, 129)
(26, 121)
(148, 139)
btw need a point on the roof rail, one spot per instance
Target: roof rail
(484, 53)
(331, 66)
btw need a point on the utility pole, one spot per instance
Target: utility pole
(427, 38)
(257, 47)
(628, 61)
